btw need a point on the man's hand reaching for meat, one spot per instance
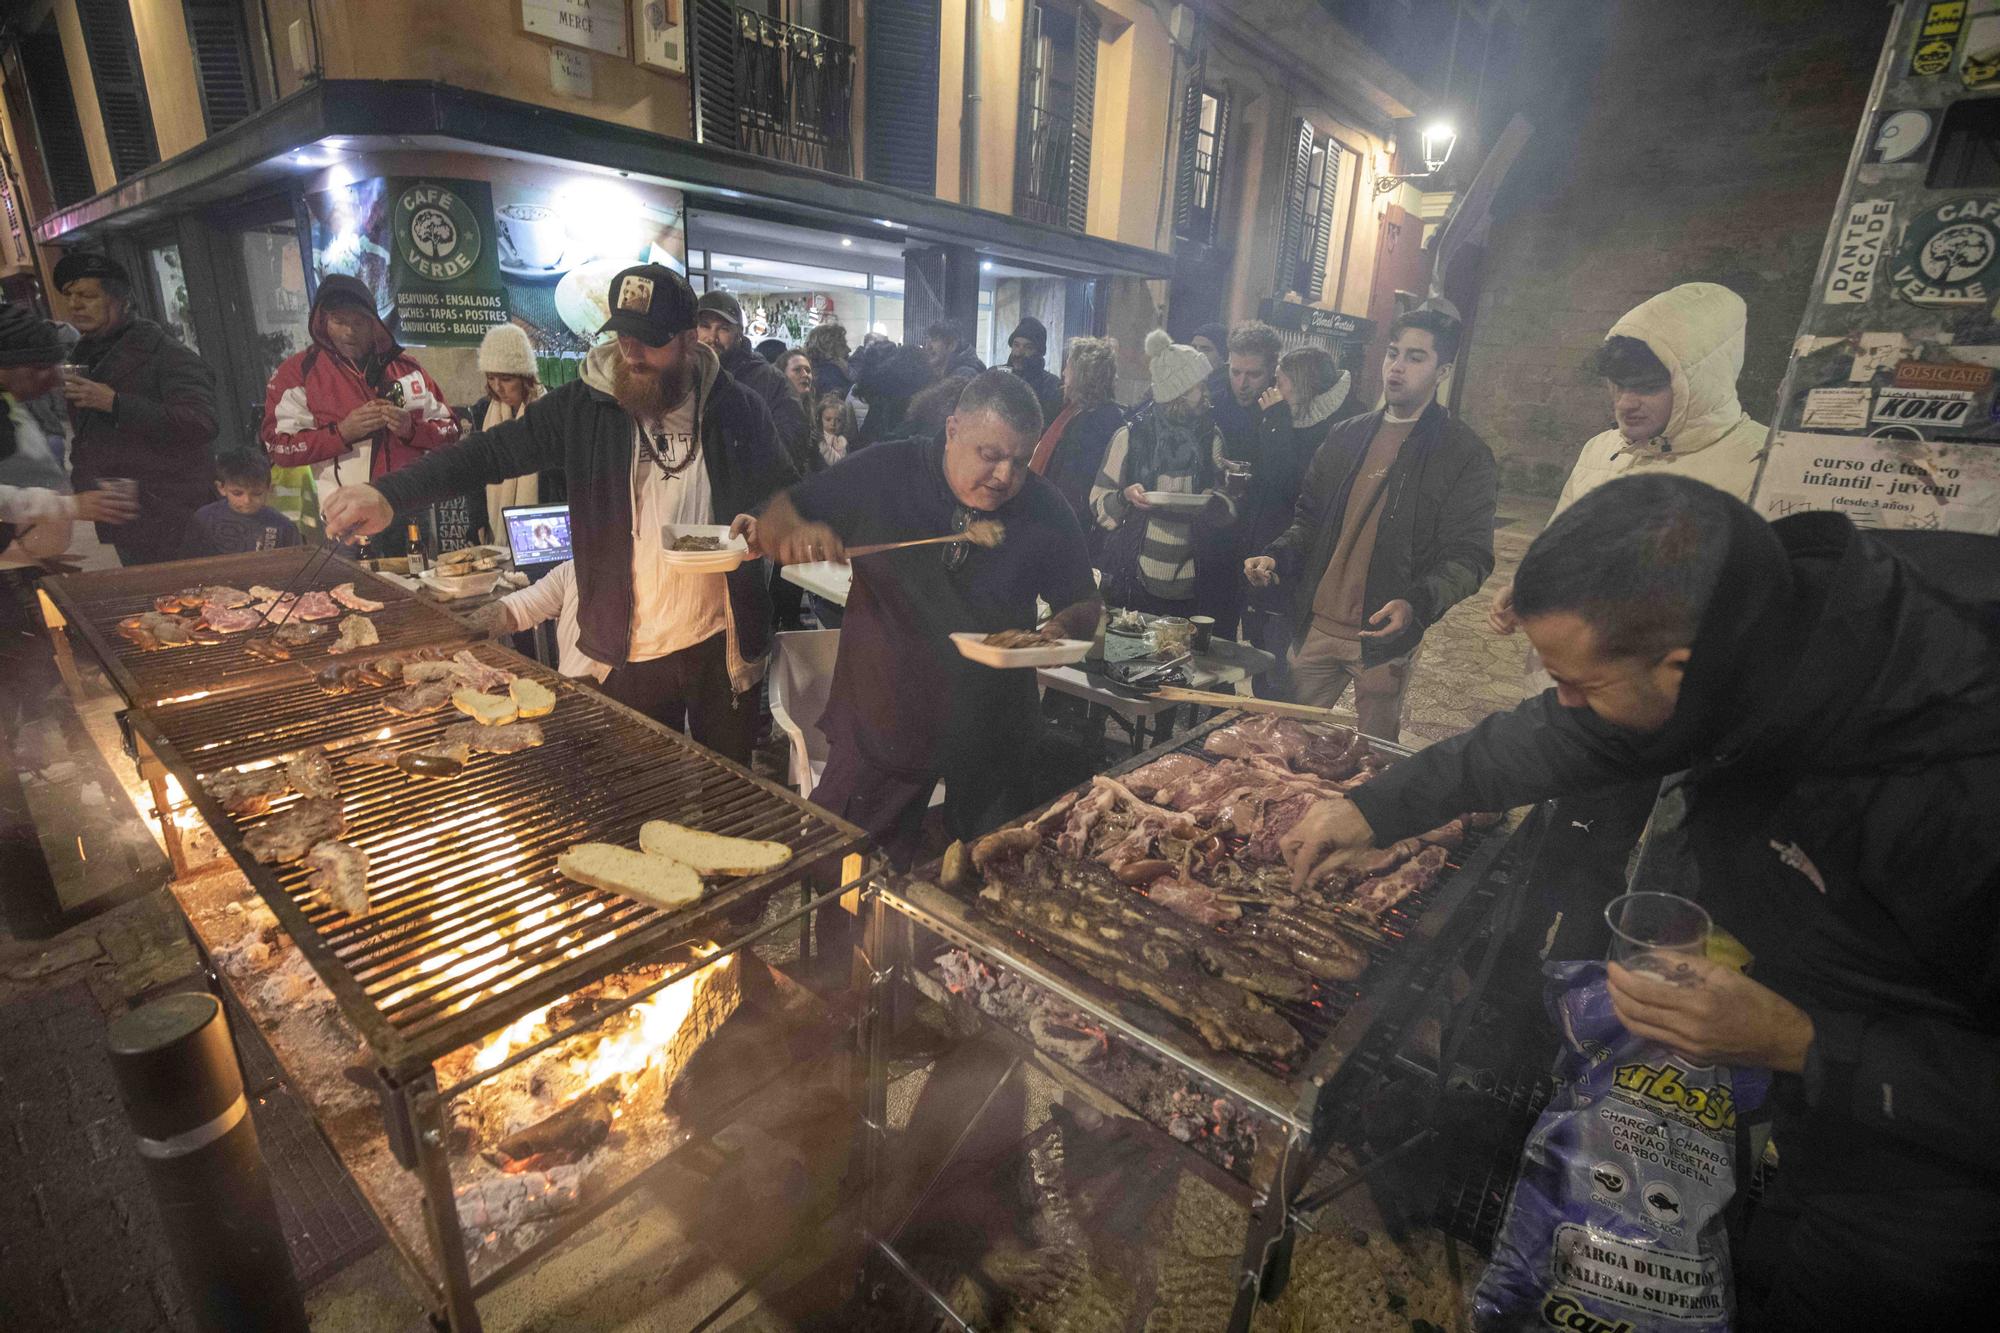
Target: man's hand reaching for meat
(1332, 834)
(356, 511)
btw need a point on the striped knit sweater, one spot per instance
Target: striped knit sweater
(1167, 556)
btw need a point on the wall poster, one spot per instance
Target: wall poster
(427, 248)
(1909, 484)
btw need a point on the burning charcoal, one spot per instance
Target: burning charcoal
(1068, 1037)
(494, 1207)
(565, 1137)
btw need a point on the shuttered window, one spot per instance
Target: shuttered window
(712, 62)
(1083, 110)
(1305, 234)
(1058, 104)
(121, 84)
(1197, 183)
(221, 46)
(902, 109)
(64, 153)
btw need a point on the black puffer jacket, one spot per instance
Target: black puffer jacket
(158, 429)
(1841, 720)
(1048, 388)
(1434, 541)
(788, 415)
(886, 377)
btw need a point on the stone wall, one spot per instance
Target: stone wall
(1699, 140)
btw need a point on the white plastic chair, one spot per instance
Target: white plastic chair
(801, 678)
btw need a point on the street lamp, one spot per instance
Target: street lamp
(1438, 140)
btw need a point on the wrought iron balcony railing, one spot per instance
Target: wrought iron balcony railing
(772, 88)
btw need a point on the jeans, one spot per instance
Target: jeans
(690, 692)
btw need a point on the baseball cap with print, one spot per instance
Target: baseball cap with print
(650, 302)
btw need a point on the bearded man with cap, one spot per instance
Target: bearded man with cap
(653, 432)
(1028, 357)
(143, 407)
(719, 326)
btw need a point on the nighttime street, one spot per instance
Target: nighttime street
(999, 666)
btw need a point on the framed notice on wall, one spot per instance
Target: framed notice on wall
(663, 35)
(594, 25)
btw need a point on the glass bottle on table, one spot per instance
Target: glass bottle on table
(418, 561)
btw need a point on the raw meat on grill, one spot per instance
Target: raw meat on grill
(225, 620)
(288, 836)
(1373, 897)
(415, 700)
(338, 871)
(248, 793)
(315, 606)
(1333, 752)
(152, 630)
(356, 632)
(298, 633)
(344, 594)
(311, 774)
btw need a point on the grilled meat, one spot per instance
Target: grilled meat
(187, 599)
(356, 632)
(226, 597)
(315, 606)
(476, 675)
(1021, 638)
(415, 700)
(338, 678)
(1375, 896)
(247, 793)
(267, 650)
(311, 774)
(338, 872)
(694, 543)
(152, 630)
(224, 620)
(425, 673)
(288, 836)
(505, 738)
(344, 594)
(298, 633)
(443, 759)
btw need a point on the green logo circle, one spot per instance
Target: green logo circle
(1951, 255)
(437, 236)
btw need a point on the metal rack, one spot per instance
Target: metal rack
(1298, 1112)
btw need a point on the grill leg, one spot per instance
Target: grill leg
(1276, 1175)
(427, 1113)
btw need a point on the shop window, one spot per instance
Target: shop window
(1058, 101)
(1204, 126)
(275, 282)
(163, 263)
(221, 61)
(121, 84)
(1305, 234)
(65, 156)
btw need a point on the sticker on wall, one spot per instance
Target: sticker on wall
(1885, 481)
(1981, 66)
(1939, 409)
(1942, 375)
(1836, 409)
(1899, 138)
(1863, 237)
(1937, 38)
(1875, 353)
(1950, 254)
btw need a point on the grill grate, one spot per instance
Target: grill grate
(94, 603)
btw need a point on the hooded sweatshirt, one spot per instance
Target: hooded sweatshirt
(314, 390)
(1696, 329)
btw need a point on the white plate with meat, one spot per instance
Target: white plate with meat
(1177, 501)
(1020, 648)
(702, 548)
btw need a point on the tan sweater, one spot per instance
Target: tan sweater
(1339, 606)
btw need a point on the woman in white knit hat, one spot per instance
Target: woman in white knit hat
(507, 359)
(1149, 559)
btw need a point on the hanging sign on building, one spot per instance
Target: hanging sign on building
(1951, 254)
(444, 267)
(663, 35)
(594, 25)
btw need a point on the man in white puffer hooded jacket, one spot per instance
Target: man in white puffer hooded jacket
(1671, 366)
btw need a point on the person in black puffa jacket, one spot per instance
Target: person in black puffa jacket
(1835, 705)
(653, 432)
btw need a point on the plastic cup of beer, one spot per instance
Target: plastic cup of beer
(1658, 933)
(123, 487)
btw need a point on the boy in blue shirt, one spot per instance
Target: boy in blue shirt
(241, 520)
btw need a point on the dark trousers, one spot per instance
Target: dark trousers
(690, 692)
(1273, 633)
(1581, 868)
(890, 806)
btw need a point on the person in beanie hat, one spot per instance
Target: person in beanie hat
(652, 432)
(507, 359)
(1152, 555)
(143, 408)
(354, 406)
(1212, 341)
(1027, 356)
(719, 325)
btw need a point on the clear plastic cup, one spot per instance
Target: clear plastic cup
(124, 487)
(1658, 933)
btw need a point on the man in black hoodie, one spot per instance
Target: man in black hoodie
(1837, 713)
(1027, 357)
(653, 432)
(719, 326)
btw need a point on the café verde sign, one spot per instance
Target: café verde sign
(445, 272)
(594, 25)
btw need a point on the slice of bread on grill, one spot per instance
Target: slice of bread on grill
(711, 853)
(492, 709)
(659, 880)
(533, 698)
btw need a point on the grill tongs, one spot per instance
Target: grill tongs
(309, 569)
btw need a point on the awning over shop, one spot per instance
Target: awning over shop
(308, 131)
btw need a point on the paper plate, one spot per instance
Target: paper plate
(1176, 500)
(1060, 653)
(733, 553)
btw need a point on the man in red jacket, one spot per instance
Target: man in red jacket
(354, 406)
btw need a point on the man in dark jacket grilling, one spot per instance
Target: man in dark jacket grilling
(1394, 528)
(143, 407)
(654, 432)
(1838, 715)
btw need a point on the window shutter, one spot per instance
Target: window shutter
(121, 84)
(1083, 109)
(1292, 226)
(1184, 181)
(64, 153)
(712, 60)
(902, 110)
(1323, 224)
(221, 61)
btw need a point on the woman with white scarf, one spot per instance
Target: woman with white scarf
(512, 382)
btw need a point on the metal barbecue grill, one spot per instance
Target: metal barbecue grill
(470, 927)
(94, 603)
(1296, 1105)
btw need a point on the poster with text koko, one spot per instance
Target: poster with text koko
(426, 246)
(1883, 481)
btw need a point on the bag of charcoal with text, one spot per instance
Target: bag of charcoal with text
(1616, 1224)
